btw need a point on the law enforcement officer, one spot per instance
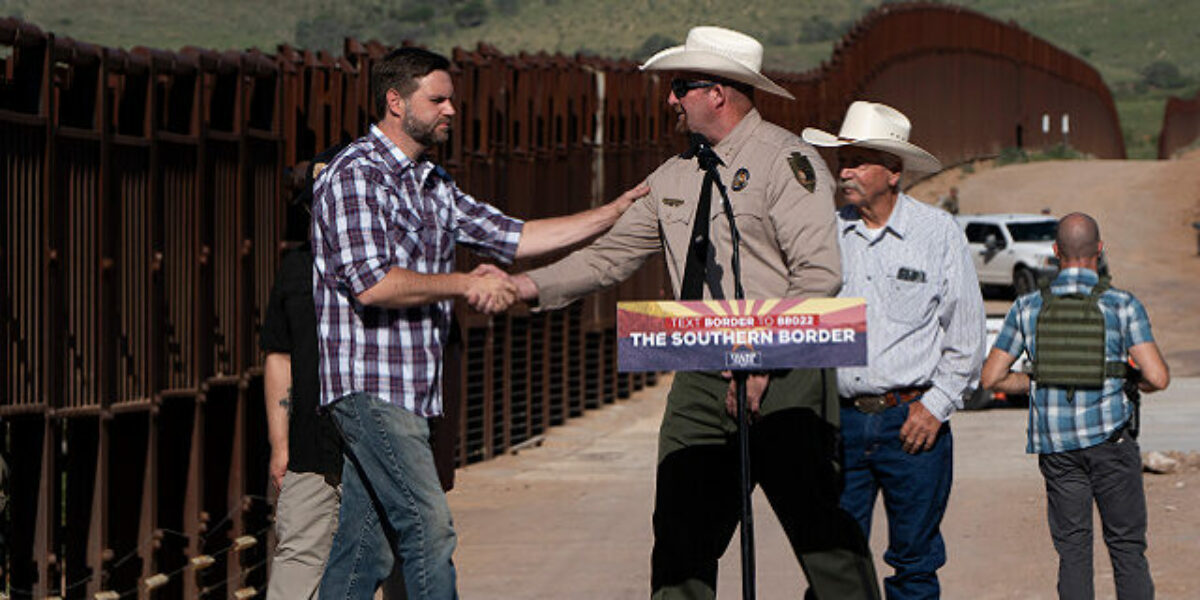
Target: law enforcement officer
(925, 341)
(782, 198)
(1086, 450)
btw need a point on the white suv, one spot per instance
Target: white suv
(1011, 250)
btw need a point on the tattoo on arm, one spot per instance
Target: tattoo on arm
(286, 402)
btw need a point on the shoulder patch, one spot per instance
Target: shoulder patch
(803, 170)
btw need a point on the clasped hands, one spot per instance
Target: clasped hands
(490, 290)
(756, 388)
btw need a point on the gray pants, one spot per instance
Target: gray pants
(306, 518)
(1111, 475)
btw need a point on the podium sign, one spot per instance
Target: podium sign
(715, 335)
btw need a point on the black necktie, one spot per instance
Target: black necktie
(698, 248)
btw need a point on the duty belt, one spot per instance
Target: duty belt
(877, 403)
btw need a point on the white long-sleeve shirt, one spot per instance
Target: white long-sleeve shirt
(925, 318)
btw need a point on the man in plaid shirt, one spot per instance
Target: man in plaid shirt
(386, 221)
(1081, 435)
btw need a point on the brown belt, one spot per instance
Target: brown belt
(877, 403)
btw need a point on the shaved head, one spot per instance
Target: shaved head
(1078, 237)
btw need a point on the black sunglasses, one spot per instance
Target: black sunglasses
(681, 87)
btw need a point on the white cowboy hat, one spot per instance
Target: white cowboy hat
(721, 52)
(880, 127)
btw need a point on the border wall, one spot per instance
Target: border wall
(143, 196)
(1180, 127)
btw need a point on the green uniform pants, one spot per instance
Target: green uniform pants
(793, 456)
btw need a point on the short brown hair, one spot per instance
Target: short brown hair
(400, 70)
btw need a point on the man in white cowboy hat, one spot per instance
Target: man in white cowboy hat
(782, 197)
(925, 341)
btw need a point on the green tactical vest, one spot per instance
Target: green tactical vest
(1070, 341)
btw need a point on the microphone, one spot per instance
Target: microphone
(702, 151)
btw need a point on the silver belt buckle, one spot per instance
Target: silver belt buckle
(871, 404)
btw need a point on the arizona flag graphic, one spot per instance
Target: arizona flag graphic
(741, 334)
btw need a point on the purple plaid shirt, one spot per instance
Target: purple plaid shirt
(373, 209)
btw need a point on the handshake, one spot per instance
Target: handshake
(491, 291)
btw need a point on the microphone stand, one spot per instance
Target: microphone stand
(743, 417)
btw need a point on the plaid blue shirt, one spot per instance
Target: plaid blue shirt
(1057, 423)
(373, 209)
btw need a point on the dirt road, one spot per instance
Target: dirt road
(571, 519)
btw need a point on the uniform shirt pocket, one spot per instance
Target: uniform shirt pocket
(749, 222)
(677, 215)
(676, 223)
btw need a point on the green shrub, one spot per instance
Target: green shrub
(1060, 151)
(652, 44)
(472, 14)
(778, 37)
(1163, 74)
(1011, 155)
(325, 31)
(817, 29)
(508, 8)
(417, 14)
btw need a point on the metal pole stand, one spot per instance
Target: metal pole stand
(743, 415)
(747, 530)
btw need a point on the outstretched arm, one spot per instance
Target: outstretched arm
(607, 261)
(547, 235)
(486, 289)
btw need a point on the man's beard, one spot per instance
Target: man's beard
(681, 123)
(426, 133)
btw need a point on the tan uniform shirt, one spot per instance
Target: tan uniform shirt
(789, 244)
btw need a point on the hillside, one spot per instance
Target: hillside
(1121, 38)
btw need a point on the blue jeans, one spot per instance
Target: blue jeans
(390, 497)
(916, 488)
